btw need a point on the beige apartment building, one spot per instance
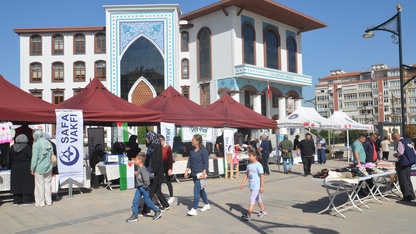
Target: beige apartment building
(370, 97)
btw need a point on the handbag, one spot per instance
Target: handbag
(54, 160)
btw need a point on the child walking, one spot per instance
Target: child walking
(255, 176)
(143, 182)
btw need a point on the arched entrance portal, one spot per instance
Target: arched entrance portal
(142, 60)
(141, 92)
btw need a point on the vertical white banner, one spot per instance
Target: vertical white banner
(168, 131)
(228, 143)
(70, 145)
(95, 140)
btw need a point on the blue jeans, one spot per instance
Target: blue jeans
(321, 156)
(199, 193)
(285, 162)
(142, 191)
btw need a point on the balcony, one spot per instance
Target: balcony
(273, 75)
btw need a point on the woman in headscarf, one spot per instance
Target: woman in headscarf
(22, 183)
(132, 148)
(41, 168)
(156, 164)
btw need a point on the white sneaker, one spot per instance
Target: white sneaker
(192, 212)
(205, 208)
(171, 200)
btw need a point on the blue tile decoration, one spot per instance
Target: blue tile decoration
(290, 33)
(125, 27)
(265, 25)
(129, 31)
(247, 19)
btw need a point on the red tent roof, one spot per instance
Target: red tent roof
(19, 106)
(180, 110)
(240, 116)
(101, 106)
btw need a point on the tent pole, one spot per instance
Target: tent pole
(348, 146)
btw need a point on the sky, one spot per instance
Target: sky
(338, 46)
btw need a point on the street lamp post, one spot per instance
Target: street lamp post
(393, 25)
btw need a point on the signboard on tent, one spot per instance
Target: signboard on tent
(70, 145)
(206, 133)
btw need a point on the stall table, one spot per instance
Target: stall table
(110, 172)
(351, 187)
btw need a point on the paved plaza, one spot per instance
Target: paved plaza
(292, 202)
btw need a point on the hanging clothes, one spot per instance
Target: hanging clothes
(5, 132)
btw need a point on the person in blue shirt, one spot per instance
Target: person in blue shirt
(255, 176)
(198, 164)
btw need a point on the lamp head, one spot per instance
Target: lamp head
(368, 35)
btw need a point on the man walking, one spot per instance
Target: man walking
(285, 146)
(405, 158)
(265, 149)
(306, 149)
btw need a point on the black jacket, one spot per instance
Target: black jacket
(306, 147)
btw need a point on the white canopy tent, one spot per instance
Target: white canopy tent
(307, 117)
(348, 123)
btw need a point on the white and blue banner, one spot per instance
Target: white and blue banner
(228, 142)
(168, 131)
(70, 145)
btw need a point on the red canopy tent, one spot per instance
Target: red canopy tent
(240, 116)
(100, 106)
(180, 110)
(19, 106)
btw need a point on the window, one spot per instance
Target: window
(205, 97)
(37, 93)
(364, 86)
(249, 41)
(79, 44)
(36, 72)
(275, 101)
(272, 48)
(142, 58)
(57, 72)
(185, 41)
(99, 43)
(100, 70)
(57, 45)
(350, 96)
(365, 95)
(247, 98)
(79, 71)
(77, 91)
(350, 104)
(185, 69)
(57, 96)
(185, 91)
(394, 83)
(204, 54)
(291, 55)
(36, 45)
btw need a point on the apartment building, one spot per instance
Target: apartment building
(369, 97)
